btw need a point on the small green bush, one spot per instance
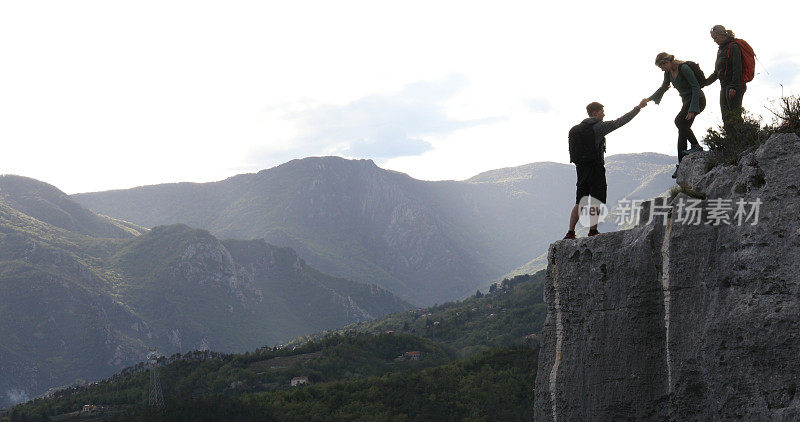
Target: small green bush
(728, 143)
(674, 191)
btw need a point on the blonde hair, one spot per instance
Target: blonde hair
(664, 57)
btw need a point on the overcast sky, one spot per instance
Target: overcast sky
(98, 95)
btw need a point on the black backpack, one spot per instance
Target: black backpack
(582, 147)
(698, 73)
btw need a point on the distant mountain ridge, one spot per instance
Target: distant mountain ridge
(48, 204)
(75, 306)
(425, 241)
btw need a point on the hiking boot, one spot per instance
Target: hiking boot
(675, 175)
(696, 148)
(593, 232)
(570, 235)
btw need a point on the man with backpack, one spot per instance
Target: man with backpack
(735, 66)
(587, 146)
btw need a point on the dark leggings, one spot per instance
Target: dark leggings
(685, 133)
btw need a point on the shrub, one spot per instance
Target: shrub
(728, 143)
(674, 191)
(787, 114)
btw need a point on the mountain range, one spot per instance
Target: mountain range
(426, 241)
(83, 295)
(222, 265)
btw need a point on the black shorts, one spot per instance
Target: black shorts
(591, 181)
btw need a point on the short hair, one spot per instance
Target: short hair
(592, 107)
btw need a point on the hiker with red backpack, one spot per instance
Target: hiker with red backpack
(686, 77)
(587, 147)
(735, 66)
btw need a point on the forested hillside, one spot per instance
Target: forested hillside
(468, 359)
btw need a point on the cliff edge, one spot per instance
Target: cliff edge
(693, 315)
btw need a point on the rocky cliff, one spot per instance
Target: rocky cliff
(688, 316)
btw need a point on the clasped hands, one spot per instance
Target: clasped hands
(642, 104)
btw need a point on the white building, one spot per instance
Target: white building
(299, 380)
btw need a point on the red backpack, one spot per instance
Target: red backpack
(748, 59)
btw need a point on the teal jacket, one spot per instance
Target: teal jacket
(686, 84)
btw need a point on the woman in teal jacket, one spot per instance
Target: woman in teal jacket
(694, 102)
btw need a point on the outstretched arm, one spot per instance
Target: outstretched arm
(661, 90)
(606, 127)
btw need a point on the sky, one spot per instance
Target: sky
(98, 95)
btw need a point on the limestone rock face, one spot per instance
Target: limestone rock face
(678, 321)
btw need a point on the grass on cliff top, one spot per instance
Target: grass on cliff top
(729, 145)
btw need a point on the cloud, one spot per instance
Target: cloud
(389, 143)
(539, 105)
(784, 72)
(376, 126)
